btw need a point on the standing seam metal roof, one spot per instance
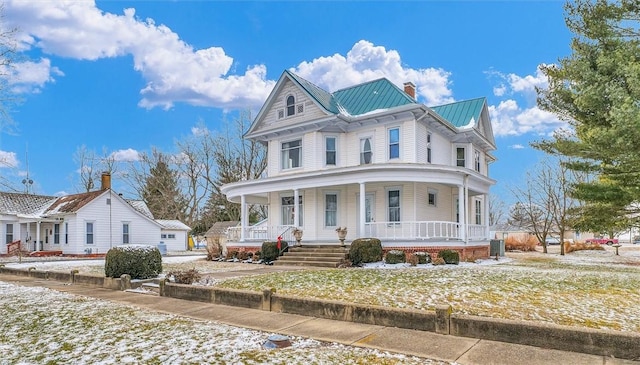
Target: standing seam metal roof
(460, 113)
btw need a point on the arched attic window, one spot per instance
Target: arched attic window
(291, 105)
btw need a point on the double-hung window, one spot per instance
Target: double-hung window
(330, 151)
(9, 233)
(393, 204)
(89, 231)
(476, 160)
(291, 154)
(460, 158)
(66, 233)
(56, 234)
(125, 233)
(291, 105)
(288, 211)
(394, 143)
(429, 147)
(331, 210)
(432, 197)
(365, 151)
(478, 212)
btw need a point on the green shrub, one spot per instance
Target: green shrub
(395, 257)
(365, 250)
(450, 256)
(270, 250)
(138, 261)
(423, 258)
(184, 277)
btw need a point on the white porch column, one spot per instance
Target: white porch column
(296, 206)
(461, 215)
(363, 208)
(486, 218)
(466, 209)
(243, 217)
(37, 248)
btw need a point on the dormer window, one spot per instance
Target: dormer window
(291, 105)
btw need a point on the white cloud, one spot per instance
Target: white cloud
(509, 119)
(173, 70)
(125, 155)
(30, 77)
(517, 147)
(199, 131)
(8, 159)
(366, 62)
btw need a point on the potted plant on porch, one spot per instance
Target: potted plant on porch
(342, 234)
(297, 233)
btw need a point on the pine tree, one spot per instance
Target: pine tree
(161, 192)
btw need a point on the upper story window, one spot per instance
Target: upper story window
(394, 143)
(291, 105)
(476, 160)
(429, 147)
(330, 150)
(365, 151)
(460, 152)
(291, 154)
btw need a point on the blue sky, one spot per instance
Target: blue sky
(124, 76)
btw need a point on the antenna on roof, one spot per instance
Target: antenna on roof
(27, 181)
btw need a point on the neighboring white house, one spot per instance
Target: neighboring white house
(174, 234)
(371, 158)
(78, 224)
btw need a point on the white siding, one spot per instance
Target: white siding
(107, 221)
(177, 243)
(311, 110)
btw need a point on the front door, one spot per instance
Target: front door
(369, 209)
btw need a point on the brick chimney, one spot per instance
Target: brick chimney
(410, 89)
(106, 181)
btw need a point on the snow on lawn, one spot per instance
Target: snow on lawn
(43, 326)
(591, 289)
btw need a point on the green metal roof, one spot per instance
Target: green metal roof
(370, 96)
(460, 113)
(358, 99)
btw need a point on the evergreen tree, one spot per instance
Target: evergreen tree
(161, 192)
(597, 91)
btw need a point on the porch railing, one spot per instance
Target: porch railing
(13, 247)
(413, 230)
(477, 232)
(261, 233)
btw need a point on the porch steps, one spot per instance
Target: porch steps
(317, 256)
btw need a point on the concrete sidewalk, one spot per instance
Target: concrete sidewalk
(461, 350)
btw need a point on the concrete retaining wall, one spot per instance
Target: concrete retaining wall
(622, 345)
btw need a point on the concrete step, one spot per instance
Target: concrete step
(310, 258)
(280, 262)
(316, 254)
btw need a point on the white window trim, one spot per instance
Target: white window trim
(361, 146)
(477, 160)
(300, 205)
(389, 143)
(53, 233)
(435, 193)
(477, 212)
(324, 211)
(93, 232)
(429, 156)
(386, 193)
(325, 149)
(128, 233)
(282, 168)
(455, 155)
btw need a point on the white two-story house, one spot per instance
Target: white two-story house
(374, 160)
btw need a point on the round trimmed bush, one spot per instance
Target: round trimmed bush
(423, 258)
(450, 256)
(395, 257)
(270, 250)
(364, 250)
(138, 261)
